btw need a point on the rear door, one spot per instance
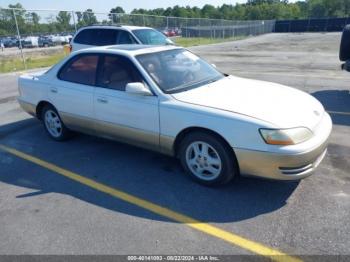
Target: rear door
(72, 92)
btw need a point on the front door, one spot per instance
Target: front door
(120, 115)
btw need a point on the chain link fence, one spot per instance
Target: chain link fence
(34, 38)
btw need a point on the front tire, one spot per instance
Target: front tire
(207, 159)
(346, 66)
(53, 124)
(344, 53)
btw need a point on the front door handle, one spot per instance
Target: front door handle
(102, 100)
(53, 90)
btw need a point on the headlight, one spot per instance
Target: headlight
(290, 136)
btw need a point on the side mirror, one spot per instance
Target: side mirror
(138, 88)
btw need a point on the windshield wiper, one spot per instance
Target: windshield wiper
(191, 84)
(181, 87)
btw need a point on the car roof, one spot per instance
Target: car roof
(127, 27)
(132, 50)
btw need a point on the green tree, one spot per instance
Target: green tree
(35, 18)
(114, 14)
(7, 19)
(179, 11)
(63, 20)
(89, 17)
(32, 23)
(210, 11)
(317, 9)
(86, 18)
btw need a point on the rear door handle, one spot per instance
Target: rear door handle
(53, 90)
(102, 100)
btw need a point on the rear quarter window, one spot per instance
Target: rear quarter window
(84, 37)
(80, 69)
(97, 37)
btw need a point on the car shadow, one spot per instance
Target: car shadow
(337, 103)
(139, 172)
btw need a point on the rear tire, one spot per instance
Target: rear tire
(344, 53)
(207, 159)
(53, 124)
(346, 66)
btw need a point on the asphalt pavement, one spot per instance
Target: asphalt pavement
(45, 212)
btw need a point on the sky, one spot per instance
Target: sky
(106, 5)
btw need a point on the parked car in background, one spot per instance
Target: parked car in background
(344, 52)
(30, 42)
(45, 41)
(178, 31)
(61, 39)
(167, 99)
(10, 42)
(101, 35)
(170, 32)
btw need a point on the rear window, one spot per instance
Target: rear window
(83, 37)
(117, 72)
(97, 37)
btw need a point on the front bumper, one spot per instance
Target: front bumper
(284, 165)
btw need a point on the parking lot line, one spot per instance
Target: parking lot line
(229, 237)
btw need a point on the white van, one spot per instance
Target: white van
(30, 41)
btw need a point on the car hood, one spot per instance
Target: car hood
(282, 106)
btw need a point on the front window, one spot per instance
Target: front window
(151, 37)
(125, 38)
(178, 70)
(116, 72)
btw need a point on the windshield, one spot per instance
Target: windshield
(178, 70)
(151, 37)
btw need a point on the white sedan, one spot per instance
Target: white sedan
(167, 99)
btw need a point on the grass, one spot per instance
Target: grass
(194, 41)
(16, 64)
